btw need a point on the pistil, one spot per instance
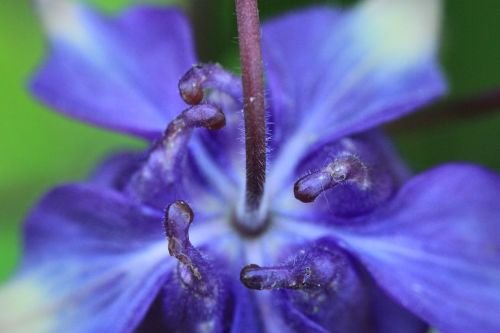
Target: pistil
(253, 106)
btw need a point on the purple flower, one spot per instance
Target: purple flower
(343, 240)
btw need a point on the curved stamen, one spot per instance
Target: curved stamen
(165, 158)
(194, 271)
(310, 269)
(208, 76)
(346, 168)
(178, 219)
(178, 133)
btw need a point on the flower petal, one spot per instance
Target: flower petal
(436, 248)
(332, 297)
(179, 308)
(119, 73)
(390, 317)
(334, 73)
(94, 263)
(115, 170)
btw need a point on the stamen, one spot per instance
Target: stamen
(178, 219)
(320, 284)
(178, 133)
(359, 178)
(259, 278)
(203, 115)
(346, 168)
(195, 290)
(164, 161)
(310, 269)
(194, 270)
(208, 76)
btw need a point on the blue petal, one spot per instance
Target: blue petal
(93, 263)
(390, 317)
(436, 248)
(115, 171)
(336, 300)
(119, 73)
(334, 73)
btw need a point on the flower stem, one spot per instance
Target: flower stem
(447, 112)
(247, 14)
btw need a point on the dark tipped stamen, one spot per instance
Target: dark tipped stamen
(194, 271)
(202, 115)
(267, 278)
(253, 89)
(165, 159)
(178, 219)
(178, 133)
(310, 269)
(208, 76)
(309, 187)
(345, 168)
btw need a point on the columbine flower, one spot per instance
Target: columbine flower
(307, 247)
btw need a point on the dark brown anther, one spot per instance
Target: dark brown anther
(309, 187)
(266, 278)
(190, 86)
(202, 115)
(345, 168)
(208, 76)
(310, 269)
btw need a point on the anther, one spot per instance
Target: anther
(202, 115)
(310, 269)
(208, 76)
(259, 278)
(346, 168)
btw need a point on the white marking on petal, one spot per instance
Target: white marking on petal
(64, 20)
(400, 32)
(19, 299)
(217, 177)
(42, 300)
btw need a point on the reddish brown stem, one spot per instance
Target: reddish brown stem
(253, 89)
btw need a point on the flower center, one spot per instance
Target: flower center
(351, 175)
(250, 230)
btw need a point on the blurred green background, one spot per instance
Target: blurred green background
(39, 148)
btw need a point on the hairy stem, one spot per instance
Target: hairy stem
(253, 89)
